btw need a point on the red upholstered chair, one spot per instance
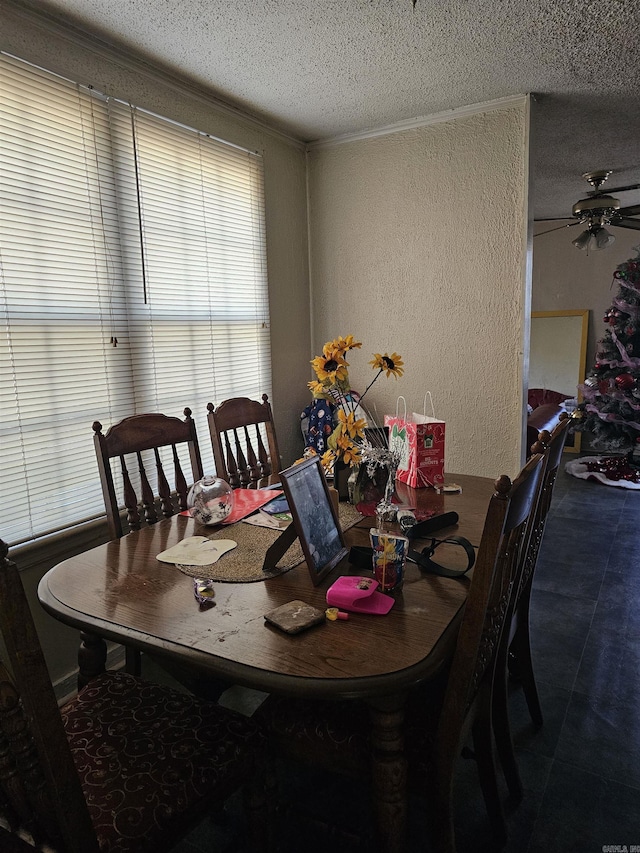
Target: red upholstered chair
(440, 714)
(125, 767)
(244, 442)
(514, 653)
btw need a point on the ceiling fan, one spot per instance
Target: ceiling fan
(599, 209)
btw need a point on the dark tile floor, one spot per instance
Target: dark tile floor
(581, 770)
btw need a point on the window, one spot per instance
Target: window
(132, 279)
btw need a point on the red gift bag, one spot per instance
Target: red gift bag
(419, 440)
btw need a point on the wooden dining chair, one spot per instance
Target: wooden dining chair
(440, 714)
(244, 442)
(125, 767)
(514, 654)
(146, 447)
(144, 450)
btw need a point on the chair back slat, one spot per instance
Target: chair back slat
(182, 489)
(240, 460)
(147, 497)
(230, 464)
(164, 491)
(252, 459)
(265, 468)
(142, 437)
(130, 497)
(32, 731)
(244, 441)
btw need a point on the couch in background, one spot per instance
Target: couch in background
(546, 406)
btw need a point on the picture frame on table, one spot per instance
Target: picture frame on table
(315, 519)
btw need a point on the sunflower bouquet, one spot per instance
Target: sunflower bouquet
(347, 441)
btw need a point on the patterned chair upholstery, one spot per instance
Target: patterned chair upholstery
(125, 767)
(145, 754)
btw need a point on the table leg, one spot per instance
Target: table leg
(92, 656)
(389, 772)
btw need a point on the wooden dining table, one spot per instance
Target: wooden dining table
(120, 592)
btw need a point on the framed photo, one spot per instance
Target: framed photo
(314, 517)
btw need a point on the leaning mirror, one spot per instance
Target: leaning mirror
(557, 358)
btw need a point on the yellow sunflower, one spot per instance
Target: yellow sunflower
(351, 454)
(391, 364)
(339, 438)
(351, 425)
(318, 389)
(326, 460)
(345, 344)
(330, 366)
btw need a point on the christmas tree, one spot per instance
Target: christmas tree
(611, 392)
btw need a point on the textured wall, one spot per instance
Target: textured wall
(418, 243)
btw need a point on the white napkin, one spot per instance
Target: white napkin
(197, 551)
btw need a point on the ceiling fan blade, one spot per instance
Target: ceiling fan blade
(625, 222)
(558, 228)
(632, 210)
(612, 190)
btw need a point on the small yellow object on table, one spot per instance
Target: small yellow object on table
(333, 614)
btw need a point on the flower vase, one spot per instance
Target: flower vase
(371, 484)
(385, 509)
(341, 476)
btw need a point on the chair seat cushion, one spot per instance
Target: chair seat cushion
(147, 754)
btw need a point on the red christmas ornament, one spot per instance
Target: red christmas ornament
(629, 331)
(625, 381)
(597, 366)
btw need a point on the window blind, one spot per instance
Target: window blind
(132, 279)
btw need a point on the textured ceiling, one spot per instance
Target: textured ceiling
(319, 68)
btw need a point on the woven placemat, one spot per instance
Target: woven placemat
(244, 563)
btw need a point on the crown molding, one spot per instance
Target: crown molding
(420, 121)
(112, 51)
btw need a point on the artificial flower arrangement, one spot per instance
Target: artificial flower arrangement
(347, 441)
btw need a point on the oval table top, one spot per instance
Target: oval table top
(122, 593)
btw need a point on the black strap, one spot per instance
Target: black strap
(426, 564)
(361, 557)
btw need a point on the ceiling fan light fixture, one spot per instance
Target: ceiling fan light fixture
(582, 240)
(594, 237)
(604, 238)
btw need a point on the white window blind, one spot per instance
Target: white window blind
(115, 225)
